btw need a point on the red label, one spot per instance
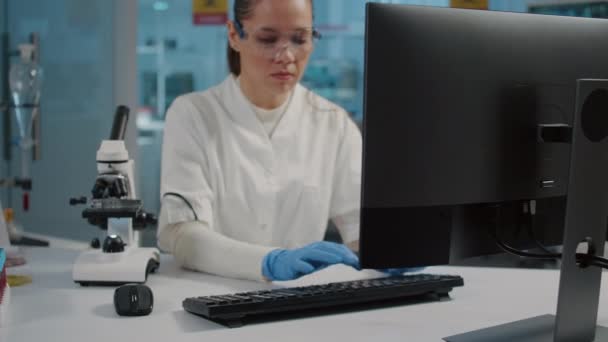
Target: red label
(209, 19)
(2, 283)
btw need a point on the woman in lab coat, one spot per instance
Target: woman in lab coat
(253, 168)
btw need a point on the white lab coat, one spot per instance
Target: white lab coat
(276, 191)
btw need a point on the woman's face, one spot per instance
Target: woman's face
(277, 44)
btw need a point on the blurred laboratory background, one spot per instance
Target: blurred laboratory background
(97, 54)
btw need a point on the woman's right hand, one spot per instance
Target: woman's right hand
(288, 264)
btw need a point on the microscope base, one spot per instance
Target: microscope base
(94, 267)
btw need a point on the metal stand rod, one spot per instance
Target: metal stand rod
(579, 286)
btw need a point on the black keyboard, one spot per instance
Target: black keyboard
(234, 310)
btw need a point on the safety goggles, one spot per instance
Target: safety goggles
(270, 43)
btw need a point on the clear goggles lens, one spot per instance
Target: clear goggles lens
(269, 43)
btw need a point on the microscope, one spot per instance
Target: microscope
(114, 208)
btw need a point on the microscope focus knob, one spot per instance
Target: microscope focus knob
(144, 219)
(113, 244)
(95, 243)
(78, 200)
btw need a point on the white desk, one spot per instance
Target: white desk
(53, 308)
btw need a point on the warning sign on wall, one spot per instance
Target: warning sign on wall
(209, 12)
(470, 4)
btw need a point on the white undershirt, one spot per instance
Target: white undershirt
(269, 117)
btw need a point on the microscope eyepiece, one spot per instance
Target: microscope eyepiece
(119, 126)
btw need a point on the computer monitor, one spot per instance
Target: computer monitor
(468, 129)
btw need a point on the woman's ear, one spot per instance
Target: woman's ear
(233, 36)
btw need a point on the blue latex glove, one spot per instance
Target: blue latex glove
(400, 271)
(288, 264)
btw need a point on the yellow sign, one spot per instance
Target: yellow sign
(18, 280)
(209, 12)
(470, 4)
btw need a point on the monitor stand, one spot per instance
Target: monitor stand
(585, 231)
(535, 329)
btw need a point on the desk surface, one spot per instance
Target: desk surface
(53, 308)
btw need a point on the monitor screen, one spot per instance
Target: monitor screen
(452, 108)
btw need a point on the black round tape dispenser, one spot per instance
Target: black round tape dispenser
(133, 300)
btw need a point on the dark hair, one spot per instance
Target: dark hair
(242, 10)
